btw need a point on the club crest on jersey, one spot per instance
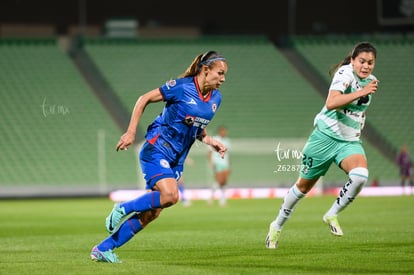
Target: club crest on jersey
(189, 120)
(164, 163)
(214, 107)
(171, 83)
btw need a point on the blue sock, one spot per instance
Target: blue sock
(181, 188)
(146, 202)
(127, 230)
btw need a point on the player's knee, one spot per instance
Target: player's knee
(169, 198)
(359, 176)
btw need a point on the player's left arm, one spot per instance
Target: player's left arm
(215, 144)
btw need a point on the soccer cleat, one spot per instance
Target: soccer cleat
(104, 256)
(272, 239)
(114, 218)
(334, 226)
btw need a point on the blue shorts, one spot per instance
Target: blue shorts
(154, 166)
(320, 151)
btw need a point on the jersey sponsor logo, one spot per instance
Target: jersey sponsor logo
(171, 83)
(164, 163)
(200, 122)
(196, 121)
(189, 120)
(192, 101)
(363, 100)
(351, 113)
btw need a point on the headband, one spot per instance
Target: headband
(208, 61)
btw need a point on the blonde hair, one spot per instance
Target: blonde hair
(207, 59)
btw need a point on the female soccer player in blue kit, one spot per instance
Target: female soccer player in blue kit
(191, 103)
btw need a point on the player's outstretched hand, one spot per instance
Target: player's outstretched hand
(125, 140)
(219, 147)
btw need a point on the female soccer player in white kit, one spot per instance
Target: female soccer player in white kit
(220, 166)
(335, 138)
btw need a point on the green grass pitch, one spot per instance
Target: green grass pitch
(55, 236)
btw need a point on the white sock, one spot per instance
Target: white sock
(223, 198)
(357, 178)
(289, 202)
(213, 190)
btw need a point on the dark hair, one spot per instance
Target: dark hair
(358, 48)
(208, 58)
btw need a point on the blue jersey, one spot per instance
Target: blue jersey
(185, 115)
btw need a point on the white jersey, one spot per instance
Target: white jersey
(345, 123)
(216, 157)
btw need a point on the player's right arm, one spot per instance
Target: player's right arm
(336, 96)
(129, 136)
(337, 99)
